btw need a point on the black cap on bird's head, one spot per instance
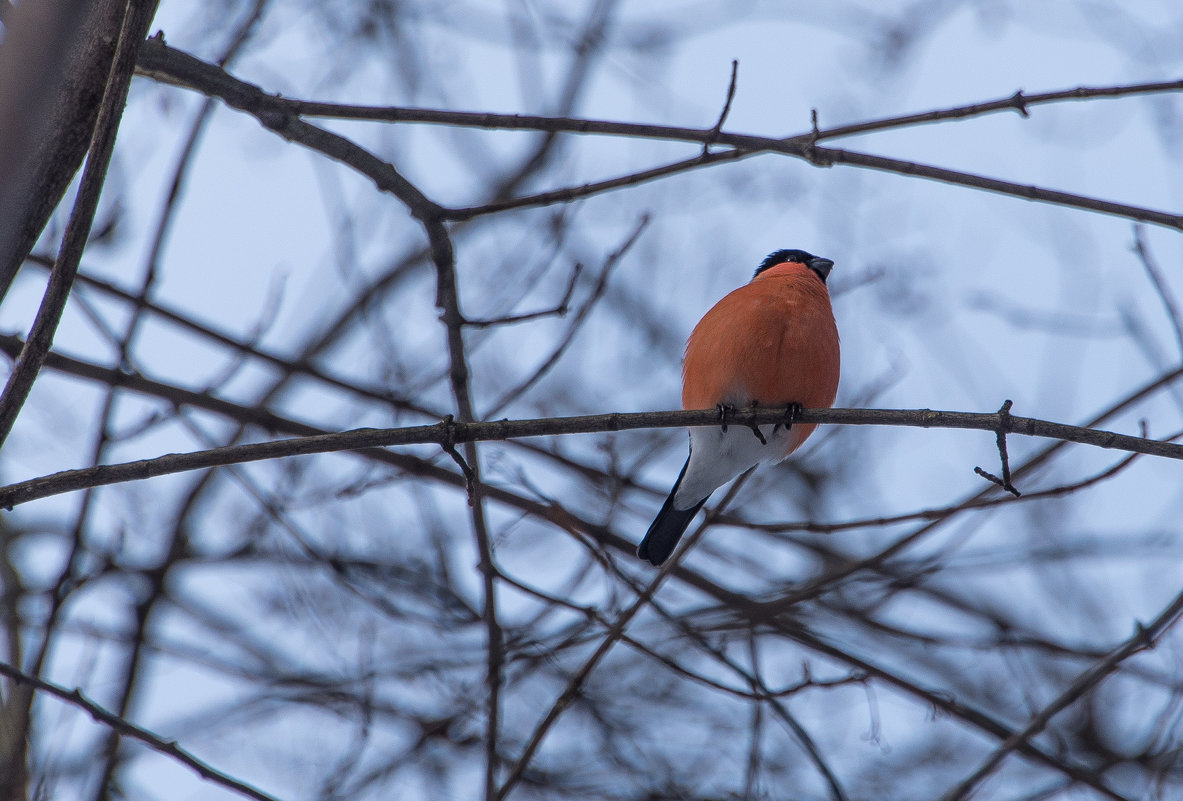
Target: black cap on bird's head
(816, 263)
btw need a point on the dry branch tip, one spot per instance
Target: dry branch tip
(448, 443)
(713, 135)
(1019, 102)
(1004, 425)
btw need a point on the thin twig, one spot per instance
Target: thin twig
(941, 512)
(560, 310)
(178, 318)
(1018, 102)
(751, 776)
(812, 138)
(1160, 286)
(587, 190)
(449, 446)
(126, 728)
(1004, 482)
(718, 127)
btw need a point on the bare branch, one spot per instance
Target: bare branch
(128, 729)
(1018, 102)
(560, 310)
(1160, 286)
(176, 317)
(281, 115)
(456, 432)
(718, 127)
(944, 511)
(587, 190)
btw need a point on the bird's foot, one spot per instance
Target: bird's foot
(756, 428)
(724, 409)
(791, 414)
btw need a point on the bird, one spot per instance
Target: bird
(771, 342)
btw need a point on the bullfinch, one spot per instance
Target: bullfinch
(772, 342)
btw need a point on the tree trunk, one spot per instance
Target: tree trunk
(53, 67)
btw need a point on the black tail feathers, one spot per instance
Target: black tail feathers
(668, 527)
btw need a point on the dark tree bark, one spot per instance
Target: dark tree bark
(53, 67)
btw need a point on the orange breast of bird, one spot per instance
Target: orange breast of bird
(772, 341)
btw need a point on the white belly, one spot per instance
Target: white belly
(716, 458)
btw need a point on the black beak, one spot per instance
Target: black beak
(821, 266)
